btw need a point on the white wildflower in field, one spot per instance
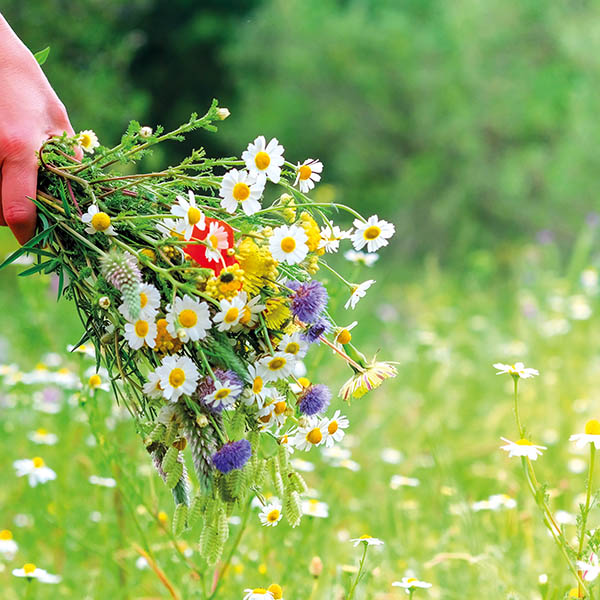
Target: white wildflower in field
(309, 435)
(257, 392)
(8, 546)
(88, 140)
(271, 514)
(398, 481)
(522, 447)
(87, 349)
(292, 343)
(264, 160)
(411, 583)
(190, 315)
(30, 571)
(97, 380)
(35, 469)
(307, 174)
(149, 303)
(152, 387)
(42, 436)
(361, 258)
(333, 428)
(343, 335)
(591, 435)
(231, 312)
(258, 594)
(315, 508)
(331, 236)
(140, 332)
(188, 215)
(392, 456)
(178, 376)
(494, 502)
(224, 395)
(278, 366)
(97, 221)
(288, 244)
(107, 482)
(358, 291)
(368, 540)
(374, 233)
(240, 188)
(516, 370)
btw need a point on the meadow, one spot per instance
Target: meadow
(420, 468)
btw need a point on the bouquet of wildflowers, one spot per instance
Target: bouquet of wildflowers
(201, 300)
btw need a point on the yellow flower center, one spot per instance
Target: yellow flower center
(259, 591)
(5, 534)
(241, 191)
(41, 431)
(304, 382)
(188, 317)
(276, 363)
(141, 328)
(38, 462)
(366, 536)
(411, 579)
(292, 348)
(304, 172)
(231, 315)
(257, 385)
(162, 516)
(94, 381)
(273, 516)
(592, 427)
(143, 299)
(29, 568)
(372, 232)
(176, 377)
(332, 427)
(262, 160)
(213, 241)
(100, 221)
(288, 244)
(343, 337)
(85, 140)
(280, 407)
(222, 393)
(276, 590)
(194, 215)
(314, 436)
(524, 442)
(246, 316)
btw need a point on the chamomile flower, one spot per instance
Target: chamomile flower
(225, 394)
(43, 437)
(271, 514)
(368, 540)
(591, 435)
(97, 221)
(8, 546)
(278, 366)
(250, 312)
(231, 312)
(516, 370)
(358, 291)
(276, 590)
(273, 413)
(373, 234)
(35, 469)
(288, 244)
(216, 238)
(361, 258)
(343, 335)
(307, 174)
(97, 379)
(590, 569)
(331, 237)
(188, 215)
(88, 141)
(411, 583)
(333, 428)
(292, 343)
(264, 160)
(139, 333)
(30, 571)
(257, 392)
(522, 447)
(178, 375)
(258, 594)
(190, 315)
(311, 434)
(149, 303)
(315, 508)
(239, 188)
(152, 387)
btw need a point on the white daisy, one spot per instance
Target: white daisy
(343, 335)
(288, 244)
(42, 436)
(35, 469)
(333, 429)
(97, 221)
(271, 514)
(231, 312)
(273, 413)
(107, 482)
(278, 366)
(178, 376)
(264, 160)
(590, 569)
(257, 392)
(309, 435)
(315, 508)
(149, 303)
(189, 315)
(361, 258)
(358, 291)
(87, 349)
(368, 540)
(522, 447)
(252, 309)
(307, 174)
(189, 215)
(216, 240)
(258, 594)
(591, 435)
(293, 344)
(516, 370)
(152, 387)
(8, 546)
(97, 380)
(241, 188)
(30, 571)
(373, 234)
(140, 332)
(411, 583)
(224, 395)
(88, 140)
(331, 237)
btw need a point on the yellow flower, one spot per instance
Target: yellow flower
(313, 232)
(276, 313)
(227, 284)
(370, 378)
(165, 344)
(257, 264)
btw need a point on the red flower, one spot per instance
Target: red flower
(198, 251)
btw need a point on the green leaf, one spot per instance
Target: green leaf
(36, 268)
(30, 247)
(42, 55)
(63, 197)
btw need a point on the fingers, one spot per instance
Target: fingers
(2, 221)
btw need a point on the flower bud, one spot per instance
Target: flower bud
(146, 132)
(104, 302)
(316, 566)
(183, 335)
(223, 113)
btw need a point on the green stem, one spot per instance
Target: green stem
(360, 568)
(332, 270)
(586, 510)
(518, 419)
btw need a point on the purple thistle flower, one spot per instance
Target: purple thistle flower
(233, 455)
(309, 301)
(206, 386)
(317, 329)
(314, 400)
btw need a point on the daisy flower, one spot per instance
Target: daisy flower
(308, 436)
(373, 234)
(278, 366)
(516, 370)
(307, 174)
(178, 375)
(264, 160)
(522, 448)
(42, 436)
(97, 380)
(343, 335)
(331, 237)
(190, 315)
(252, 309)
(368, 540)
(88, 141)
(258, 594)
(241, 188)
(152, 387)
(231, 312)
(30, 571)
(97, 221)
(189, 215)
(358, 291)
(292, 343)
(149, 303)
(216, 240)
(107, 482)
(8, 546)
(224, 395)
(273, 413)
(140, 332)
(315, 508)
(276, 590)
(590, 569)
(35, 469)
(411, 583)
(288, 244)
(590, 435)
(333, 429)
(257, 392)
(271, 514)
(361, 258)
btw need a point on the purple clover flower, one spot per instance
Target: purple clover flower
(314, 400)
(309, 301)
(233, 455)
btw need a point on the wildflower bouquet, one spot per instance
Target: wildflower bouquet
(201, 301)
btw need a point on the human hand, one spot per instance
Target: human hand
(30, 113)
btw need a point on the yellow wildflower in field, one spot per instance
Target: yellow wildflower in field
(313, 232)
(276, 313)
(227, 284)
(258, 265)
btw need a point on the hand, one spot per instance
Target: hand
(30, 113)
